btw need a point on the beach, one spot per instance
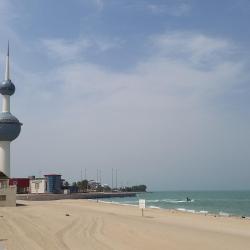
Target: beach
(83, 224)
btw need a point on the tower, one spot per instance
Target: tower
(10, 126)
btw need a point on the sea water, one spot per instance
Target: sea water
(225, 203)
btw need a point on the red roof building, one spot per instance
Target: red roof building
(22, 184)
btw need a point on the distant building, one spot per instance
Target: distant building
(22, 185)
(38, 186)
(7, 192)
(93, 185)
(51, 183)
(54, 183)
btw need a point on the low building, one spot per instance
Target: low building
(38, 186)
(22, 185)
(54, 183)
(7, 192)
(93, 185)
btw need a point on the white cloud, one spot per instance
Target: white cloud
(197, 48)
(65, 50)
(174, 9)
(163, 118)
(7, 12)
(99, 4)
(160, 117)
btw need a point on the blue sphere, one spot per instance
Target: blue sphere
(7, 87)
(10, 127)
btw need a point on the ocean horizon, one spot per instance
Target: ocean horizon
(225, 203)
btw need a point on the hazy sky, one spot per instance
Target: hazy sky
(159, 90)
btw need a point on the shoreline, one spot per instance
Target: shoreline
(188, 211)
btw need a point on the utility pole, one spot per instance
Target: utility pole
(81, 174)
(100, 176)
(112, 180)
(85, 174)
(116, 178)
(97, 175)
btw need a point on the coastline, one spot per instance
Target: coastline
(83, 224)
(220, 203)
(188, 211)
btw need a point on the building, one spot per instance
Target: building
(93, 185)
(10, 128)
(7, 192)
(38, 186)
(51, 183)
(54, 183)
(22, 185)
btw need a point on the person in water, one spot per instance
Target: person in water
(188, 199)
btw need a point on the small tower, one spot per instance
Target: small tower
(10, 126)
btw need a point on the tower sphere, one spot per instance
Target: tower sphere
(7, 87)
(10, 127)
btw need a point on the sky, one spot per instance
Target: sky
(157, 89)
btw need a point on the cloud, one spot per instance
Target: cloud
(194, 47)
(65, 50)
(7, 12)
(161, 118)
(176, 9)
(99, 4)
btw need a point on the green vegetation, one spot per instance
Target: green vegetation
(138, 188)
(88, 186)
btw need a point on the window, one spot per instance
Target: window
(3, 184)
(2, 197)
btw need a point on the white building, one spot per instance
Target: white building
(7, 192)
(38, 186)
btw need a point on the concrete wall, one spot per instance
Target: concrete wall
(47, 197)
(10, 194)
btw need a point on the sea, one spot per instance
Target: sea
(224, 203)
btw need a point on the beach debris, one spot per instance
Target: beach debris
(243, 217)
(67, 215)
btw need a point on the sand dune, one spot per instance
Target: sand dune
(91, 225)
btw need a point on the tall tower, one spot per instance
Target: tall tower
(10, 126)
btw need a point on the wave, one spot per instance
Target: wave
(192, 211)
(224, 214)
(176, 201)
(169, 201)
(155, 207)
(117, 203)
(203, 212)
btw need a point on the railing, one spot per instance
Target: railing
(4, 188)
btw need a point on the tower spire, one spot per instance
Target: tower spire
(7, 67)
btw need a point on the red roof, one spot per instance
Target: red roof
(52, 175)
(20, 182)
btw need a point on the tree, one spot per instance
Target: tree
(82, 185)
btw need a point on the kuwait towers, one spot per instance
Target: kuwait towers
(10, 126)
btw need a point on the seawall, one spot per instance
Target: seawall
(46, 197)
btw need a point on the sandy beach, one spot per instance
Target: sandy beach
(81, 224)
